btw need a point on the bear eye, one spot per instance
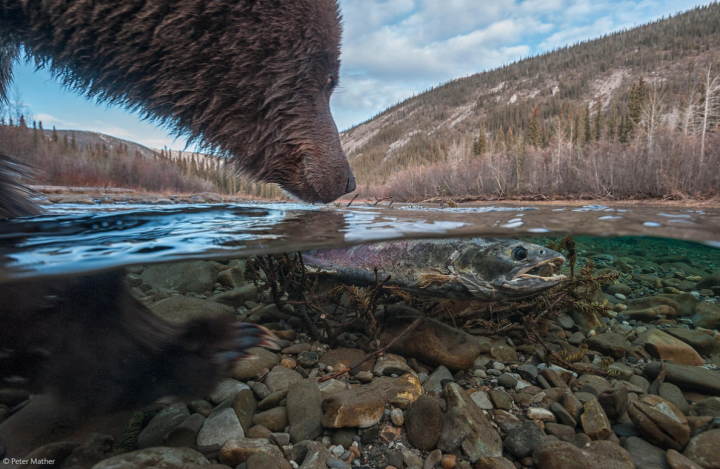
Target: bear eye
(330, 83)
(519, 253)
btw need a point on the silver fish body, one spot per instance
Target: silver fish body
(472, 268)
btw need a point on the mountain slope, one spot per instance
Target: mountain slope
(443, 122)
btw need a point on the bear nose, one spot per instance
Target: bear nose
(350, 185)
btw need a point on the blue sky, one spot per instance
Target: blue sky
(392, 49)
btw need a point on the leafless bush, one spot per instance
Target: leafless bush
(670, 167)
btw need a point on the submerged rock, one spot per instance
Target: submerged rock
(185, 277)
(434, 343)
(664, 346)
(220, 427)
(161, 425)
(236, 451)
(187, 308)
(167, 458)
(360, 407)
(688, 378)
(304, 409)
(424, 423)
(465, 426)
(704, 450)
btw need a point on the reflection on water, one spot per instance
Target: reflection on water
(72, 239)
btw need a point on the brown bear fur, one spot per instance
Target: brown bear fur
(250, 79)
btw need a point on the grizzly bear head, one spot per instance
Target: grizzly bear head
(249, 79)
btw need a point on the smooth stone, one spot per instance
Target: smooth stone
(432, 459)
(610, 344)
(507, 381)
(434, 381)
(563, 432)
(220, 427)
(594, 421)
(237, 451)
(704, 449)
(527, 372)
(538, 413)
(434, 343)
(390, 364)
(493, 463)
(360, 407)
(161, 425)
(688, 378)
(672, 311)
(245, 406)
(58, 452)
(500, 399)
(463, 414)
(281, 378)
(273, 400)
(678, 461)
(424, 423)
(275, 420)
(563, 415)
(660, 422)
(347, 358)
(598, 383)
(308, 359)
(614, 402)
(523, 440)
(237, 296)
(248, 369)
(180, 309)
(674, 395)
(597, 455)
(703, 343)
(267, 461)
(646, 455)
(184, 277)
(304, 409)
(397, 417)
(227, 389)
(482, 400)
(707, 315)
(664, 346)
(316, 454)
(166, 458)
(185, 435)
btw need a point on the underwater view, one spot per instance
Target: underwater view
(359, 234)
(281, 335)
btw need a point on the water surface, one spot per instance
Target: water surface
(73, 239)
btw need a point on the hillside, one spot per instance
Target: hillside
(89, 159)
(564, 88)
(87, 139)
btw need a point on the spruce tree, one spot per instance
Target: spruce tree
(480, 145)
(588, 124)
(598, 121)
(533, 134)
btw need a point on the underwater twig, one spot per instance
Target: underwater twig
(655, 385)
(274, 441)
(378, 352)
(534, 337)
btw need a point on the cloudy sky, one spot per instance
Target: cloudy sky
(392, 49)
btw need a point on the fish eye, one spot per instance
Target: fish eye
(519, 253)
(542, 252)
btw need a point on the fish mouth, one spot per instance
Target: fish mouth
(538, 276)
